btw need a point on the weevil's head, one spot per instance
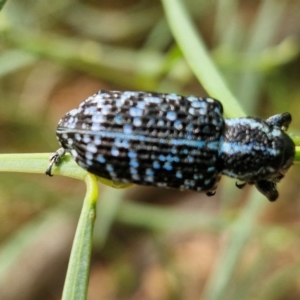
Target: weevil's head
(280, 163)
(254, 150)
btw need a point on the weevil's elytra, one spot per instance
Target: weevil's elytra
(168, 140)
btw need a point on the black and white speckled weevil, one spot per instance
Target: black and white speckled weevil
(168, 140)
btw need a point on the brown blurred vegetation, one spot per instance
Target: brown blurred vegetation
(55, 54)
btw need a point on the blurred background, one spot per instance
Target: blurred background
(150, 244)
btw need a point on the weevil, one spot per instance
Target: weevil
(174, 141)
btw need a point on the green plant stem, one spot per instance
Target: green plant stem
(38, 163)
(76, 283)
(2, 2)
(197, 56)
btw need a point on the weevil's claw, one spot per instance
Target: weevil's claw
(54, 159)
(211, 193)
(267, 188)
(240, 185)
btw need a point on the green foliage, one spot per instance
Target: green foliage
(132, 47)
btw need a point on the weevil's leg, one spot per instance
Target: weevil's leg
(211, 193)
(54, 159)
(281, 120)
(240, 185)
(267, 188)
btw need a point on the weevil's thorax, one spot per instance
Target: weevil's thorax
(253, 150)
